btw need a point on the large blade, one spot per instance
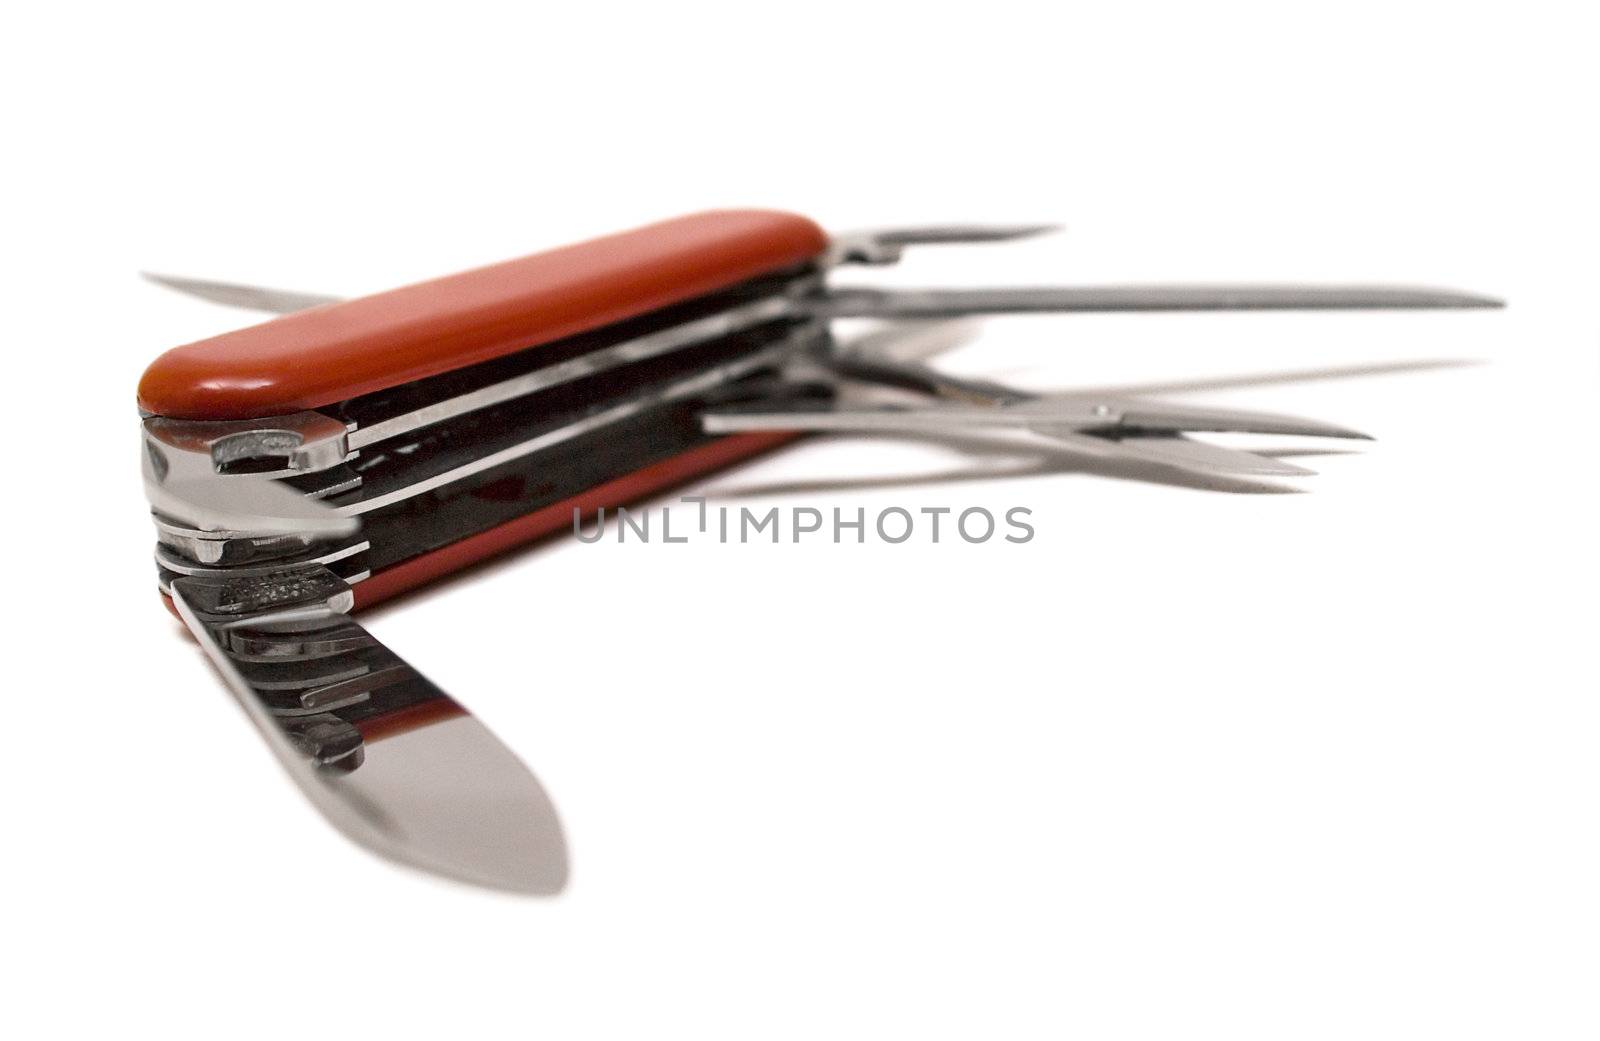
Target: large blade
(389, 758)
(842, 302)
(251, 298)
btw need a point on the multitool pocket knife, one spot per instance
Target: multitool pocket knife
(347, 451)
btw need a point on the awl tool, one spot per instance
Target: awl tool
(350, 450)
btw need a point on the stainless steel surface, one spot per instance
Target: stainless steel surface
(1106, 416)
(685, 388)
(640, 348)
(181, 565)
(851, 302)
(220, 546)
(190, 476)
(391, 760)
(1093, 424)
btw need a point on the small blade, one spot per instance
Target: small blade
(252, 298)
(391, 760)
(843, 302)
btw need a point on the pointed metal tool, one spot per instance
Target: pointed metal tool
(235, 294)
(851, 302)
(1106, 417)
(1200, 457)
(1099, 425)
(1085, 434)
(1145, 415)
(392, 761)
(862, 302)
(1155, 435)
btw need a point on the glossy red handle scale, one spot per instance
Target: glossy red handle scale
(328, 354)
(339, 351)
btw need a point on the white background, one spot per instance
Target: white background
(1192, 763)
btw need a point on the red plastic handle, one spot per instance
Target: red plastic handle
(339, 351)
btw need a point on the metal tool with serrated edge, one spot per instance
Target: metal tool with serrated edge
(352, 450)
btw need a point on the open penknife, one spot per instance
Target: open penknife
(348, 451)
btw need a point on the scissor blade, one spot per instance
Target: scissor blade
(1200, 457)
(234, 294)
(887, 245)
(391, 760)
(1169, 450)
(844, 302)
(1143, 414)
(1107, 416)
(1177, 452)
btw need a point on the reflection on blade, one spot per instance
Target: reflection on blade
(251, 298)
(393, 761)
(844, 302)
